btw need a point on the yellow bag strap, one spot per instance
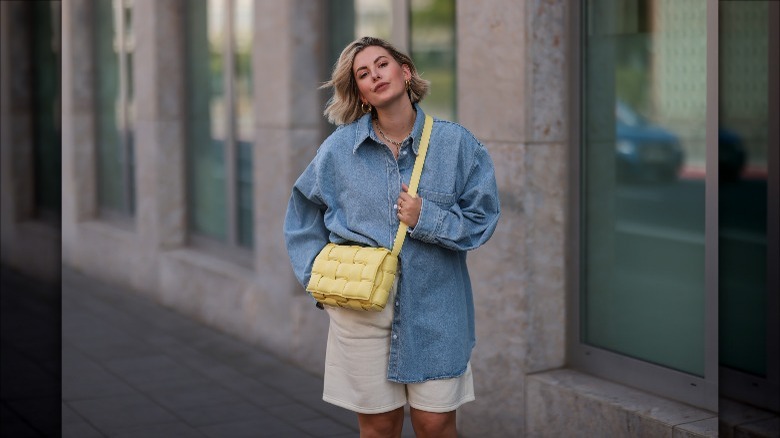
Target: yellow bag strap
(415, 181)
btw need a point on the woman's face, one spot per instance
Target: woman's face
(381, 80)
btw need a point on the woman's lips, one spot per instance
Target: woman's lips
(381, 87)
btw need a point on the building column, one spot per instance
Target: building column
(159, 75)
(288, 116)
(511, 89)
(79, 175)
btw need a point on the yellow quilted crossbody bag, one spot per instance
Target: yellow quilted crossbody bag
(358, 277)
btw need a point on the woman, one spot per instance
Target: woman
(417, 349)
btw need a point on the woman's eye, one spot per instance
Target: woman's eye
(384, 64)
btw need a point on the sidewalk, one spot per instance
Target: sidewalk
(132, 368)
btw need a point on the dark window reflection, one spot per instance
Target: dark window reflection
(746, 319)
(645, 151)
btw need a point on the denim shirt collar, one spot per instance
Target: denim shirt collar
(364, 130)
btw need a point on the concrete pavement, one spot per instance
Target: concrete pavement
(132, 368)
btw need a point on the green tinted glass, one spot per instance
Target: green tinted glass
(114, 142)
(244, 135)
(206, 117)
(643, 167)
(433, 49)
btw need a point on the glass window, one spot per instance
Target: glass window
(46, 103)
(340, 31)
(661, 238)
(743, 177)
(429, 27)
(244, 116)
(220, 127)
(432, 38)
(748, 307)
(374, 18)
(348, 20)
(643, 167)
(114, 109)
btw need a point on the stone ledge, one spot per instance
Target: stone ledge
(570, 403)
(111, 250)
(237, 301)
(740, 420)
(214, 262)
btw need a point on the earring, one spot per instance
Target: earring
(408, 85)
(365, 107)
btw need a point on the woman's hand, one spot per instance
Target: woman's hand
(408, 207)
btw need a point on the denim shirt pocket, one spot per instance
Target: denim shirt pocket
(444, 200)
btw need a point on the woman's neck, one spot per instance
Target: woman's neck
(397, 122)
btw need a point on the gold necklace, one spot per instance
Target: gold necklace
(396, 143)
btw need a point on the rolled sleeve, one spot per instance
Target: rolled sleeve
(469, 222)
(427, 223)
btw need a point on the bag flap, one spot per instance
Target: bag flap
(350, 270)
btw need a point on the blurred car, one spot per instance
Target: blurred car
(644, 151)
(732, 155)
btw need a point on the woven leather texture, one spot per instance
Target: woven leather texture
(353, 276)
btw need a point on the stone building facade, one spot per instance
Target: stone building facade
(514, 91)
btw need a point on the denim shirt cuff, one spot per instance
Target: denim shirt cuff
(425, 230)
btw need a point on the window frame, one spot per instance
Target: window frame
(666, 382)
(401, 29)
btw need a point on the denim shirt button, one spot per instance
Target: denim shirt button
(396, 303)
(395, 206)
(395, 336)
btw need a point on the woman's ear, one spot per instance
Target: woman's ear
(407, 72)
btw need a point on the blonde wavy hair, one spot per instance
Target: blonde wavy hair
(344, 106)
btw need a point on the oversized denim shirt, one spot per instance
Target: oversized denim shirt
(347, 195)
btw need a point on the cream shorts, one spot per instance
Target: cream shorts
(356, 362)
